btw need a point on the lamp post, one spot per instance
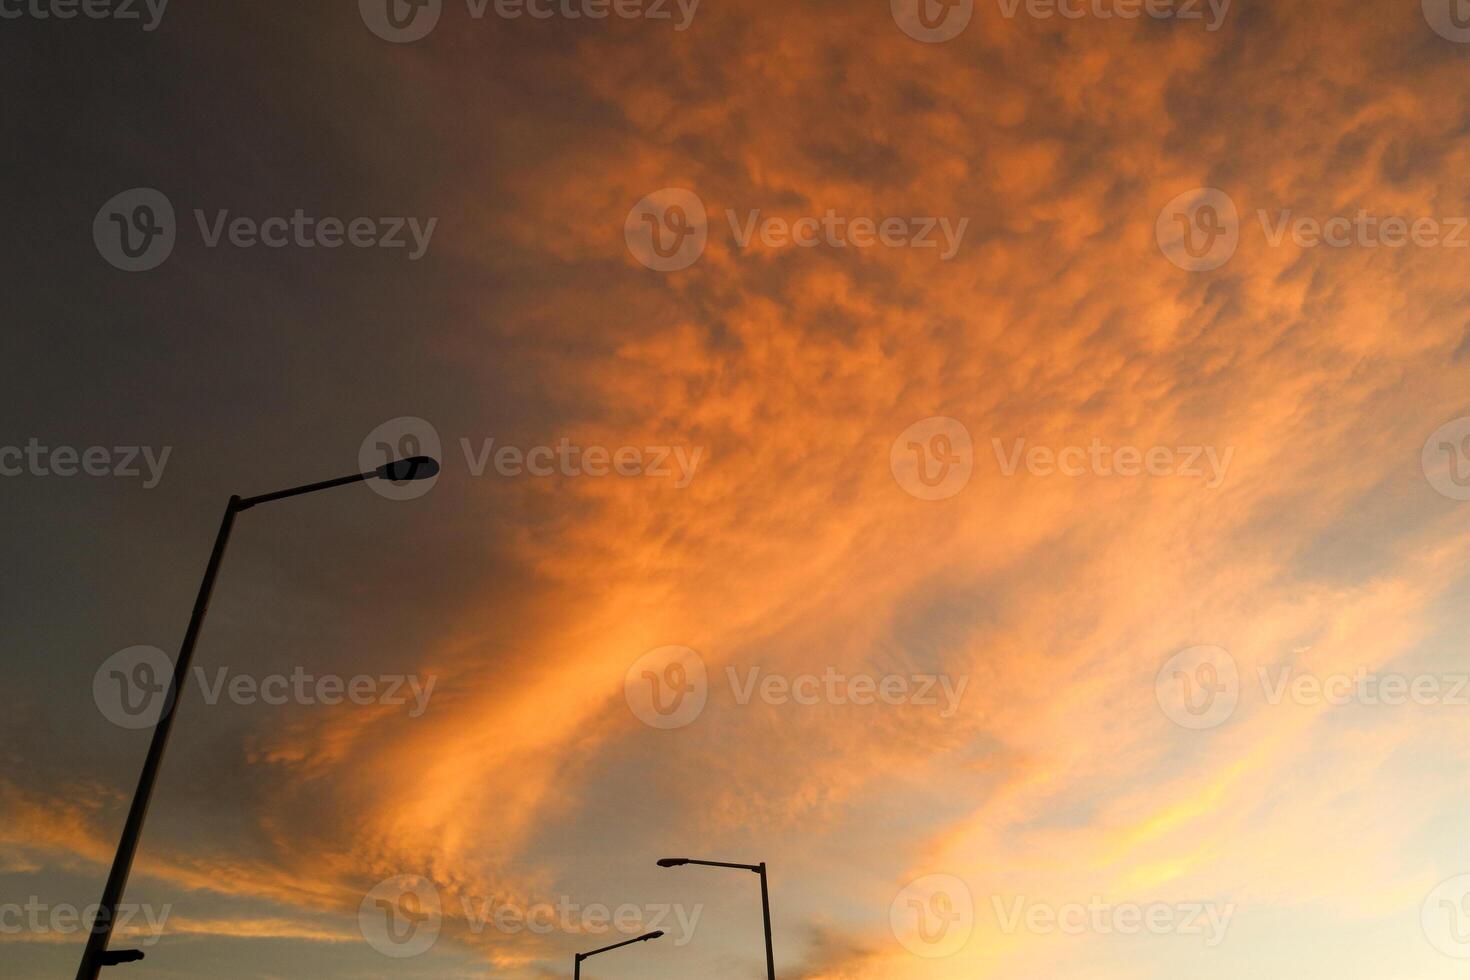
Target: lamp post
(577, 961)
(97, 955)
(759, 869)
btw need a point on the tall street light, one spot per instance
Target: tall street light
(759, 869)
(97, 954)
(577, 962)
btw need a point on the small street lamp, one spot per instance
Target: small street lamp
(577, 962)
(759, 869)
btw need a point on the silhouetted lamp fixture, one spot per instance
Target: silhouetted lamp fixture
(577, 962)
(759, 869)
(97, 955)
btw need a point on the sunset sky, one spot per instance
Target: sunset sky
(983, 370)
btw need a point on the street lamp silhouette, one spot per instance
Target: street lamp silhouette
(97, 955)
(577, 962)
(759, 869)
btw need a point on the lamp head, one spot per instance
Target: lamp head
(412, 468)
(652, 935)
(672, 862)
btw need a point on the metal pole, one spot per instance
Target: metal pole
(577, 969)
(122, 863)
(766, 911)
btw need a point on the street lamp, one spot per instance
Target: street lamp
(759, 869)
(97, 955)
(577, 962)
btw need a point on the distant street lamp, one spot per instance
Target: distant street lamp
(577, 962)
(97, 955)
(759, 869)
